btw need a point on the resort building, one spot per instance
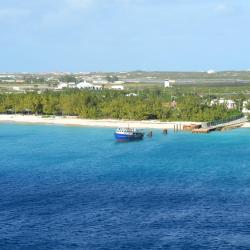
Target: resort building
(80, 85)
(87, 85)
(245, 110)
(230, 104)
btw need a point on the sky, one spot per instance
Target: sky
(124, 35)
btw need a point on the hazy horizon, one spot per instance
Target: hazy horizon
(122, 71)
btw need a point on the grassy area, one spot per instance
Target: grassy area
(224, 91)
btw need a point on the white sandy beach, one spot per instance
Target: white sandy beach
(74, 121)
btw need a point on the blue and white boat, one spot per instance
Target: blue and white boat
(128, 134)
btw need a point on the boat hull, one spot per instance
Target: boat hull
(133, 137)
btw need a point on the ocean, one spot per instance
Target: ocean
(76, 188)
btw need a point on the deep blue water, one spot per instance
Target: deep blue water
(75, 188)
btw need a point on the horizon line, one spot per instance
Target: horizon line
(125, 71)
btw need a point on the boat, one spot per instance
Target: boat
(128, 134)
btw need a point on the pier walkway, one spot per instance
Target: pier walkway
(232, 122)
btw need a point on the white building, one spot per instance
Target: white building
(119, 82)
(87, 85)
(81, 85)
(230, 104)
(245, 110)
(72, 85)
(168, 83)
(211, 71)
(98, 87)
(84, 85)
(117, 87)
(131, 94)
(100, 81)
(15, 88)
(62, 85)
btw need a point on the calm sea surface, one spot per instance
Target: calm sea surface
(75, 188)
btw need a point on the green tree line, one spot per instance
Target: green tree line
(116, 105)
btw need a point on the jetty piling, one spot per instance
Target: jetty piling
(150, 133)
(178, 127)
(175, 127)
(165, 131)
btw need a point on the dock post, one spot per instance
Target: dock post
(150, 133)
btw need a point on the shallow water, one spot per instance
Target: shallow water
(75, 188)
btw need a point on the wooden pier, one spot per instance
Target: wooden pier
(201, 131)
(191, 127)
(222, 125)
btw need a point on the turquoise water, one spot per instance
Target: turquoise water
(75, 188)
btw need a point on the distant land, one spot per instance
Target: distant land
(23, 81)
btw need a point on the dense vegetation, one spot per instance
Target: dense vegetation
(149, 104)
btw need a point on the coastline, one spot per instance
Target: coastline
(105, 123)
(74, 121)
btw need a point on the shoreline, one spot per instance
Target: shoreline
(105, 123)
